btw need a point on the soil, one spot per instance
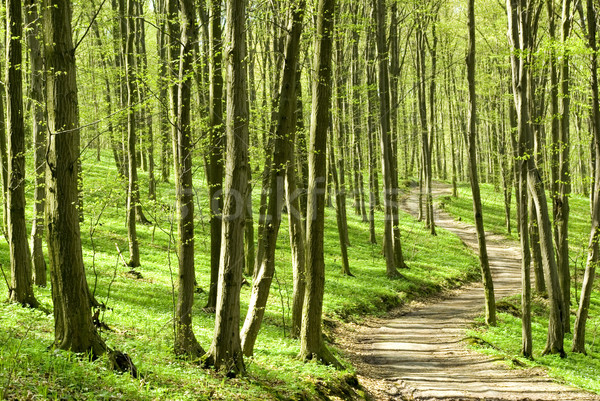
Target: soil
(419, 352)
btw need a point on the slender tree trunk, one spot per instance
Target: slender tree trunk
(281, 159)
(185, 340)
(340, 128)
(371, 134)
(132, 189)
(163, 71)
(341, 223)
(384, 110)
(21, 286)
(593, 248)
(3, 155)
(356, 123)
(216, 143)
(486, 273)
(225, 352)
(561, 203)
(312, 345)
(146, 110)
(297, 240)
(39, 140)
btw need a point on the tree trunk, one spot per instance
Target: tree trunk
(73, 327)
(146, 110)
(386, 167)
(185, 340)
(312, 345)
(371, 133)
(281, 160)
(3, 154)
(561, 202)
(297, 240)
(486, 273)
(163, 73)
(340, 129)
(356, 123)
(341, 222)
(132, 188)
(225, 351)
(216, 144)
(21, 287)
(39, 140)
(593, 248)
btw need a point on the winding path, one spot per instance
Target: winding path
(420, 354)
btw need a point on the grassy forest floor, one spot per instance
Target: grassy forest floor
(504, 340)
(140, 310)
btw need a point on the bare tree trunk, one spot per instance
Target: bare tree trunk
(371, 133)
(341, 223)
(21, 286)
(216, 143)
(132, 189)
(297, 240)
(73, 327)
(39, 140)
(185, 340)
(339, 126)
(593, 247)
(384, 110)
(148, 138)
(356, 123)
(486, 273)
(312, 345)
(225, 352)
(163, 114)
(519, 90)
(561, 203)
(3, 155)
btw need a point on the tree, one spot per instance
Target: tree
(522, 22)
(486, 273)
(132, 99)
(21, 289)
(593, 248)
(216, 144)
(39, 139)
(73, 326)
(312, 345)
(185, 341)
(393, 255)
(281, 159)
(225, 352)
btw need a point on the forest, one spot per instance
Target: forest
(214, 200)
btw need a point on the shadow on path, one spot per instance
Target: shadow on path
(420, 355)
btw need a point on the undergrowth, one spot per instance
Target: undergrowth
(504, 340)
(140, 308)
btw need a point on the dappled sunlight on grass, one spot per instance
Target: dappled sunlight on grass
(140, 310)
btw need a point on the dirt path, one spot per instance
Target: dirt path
(420, 355)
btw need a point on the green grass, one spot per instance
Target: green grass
(140, 310)
(579, 370)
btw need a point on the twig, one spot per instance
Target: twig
(5, 279)
(121, 255)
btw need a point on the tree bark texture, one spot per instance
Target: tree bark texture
(21, 286)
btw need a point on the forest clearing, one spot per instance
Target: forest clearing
(268, 200)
